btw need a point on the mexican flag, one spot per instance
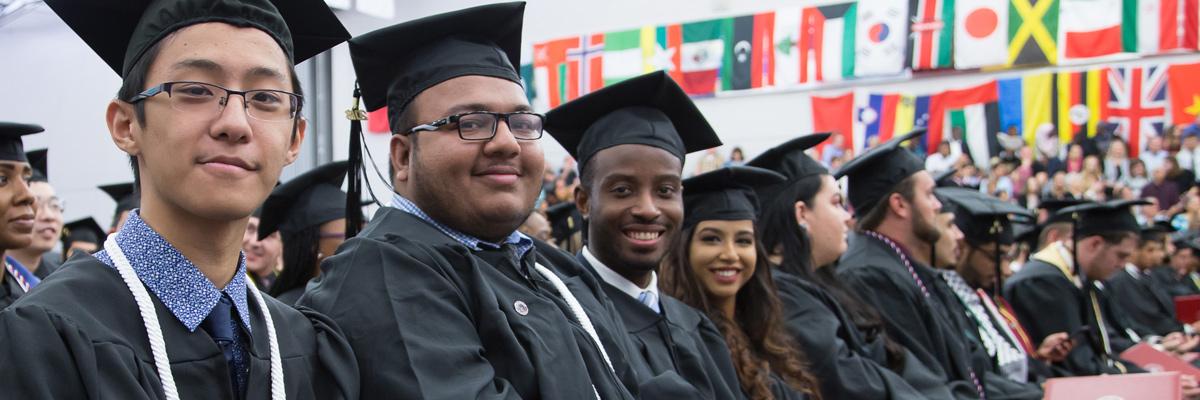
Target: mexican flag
(701, 55)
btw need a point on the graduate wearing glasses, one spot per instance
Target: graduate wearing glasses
(209, 114)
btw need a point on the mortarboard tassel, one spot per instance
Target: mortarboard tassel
(354, 169)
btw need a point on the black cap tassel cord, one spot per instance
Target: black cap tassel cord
(354, 170)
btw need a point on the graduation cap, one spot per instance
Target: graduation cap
(1053, 206)
(12, 148)
(725, 194)
(126, 196)
(789, 159)
(1096, 218)
(313, 198)
(122, 31)
(946, 178)
(875, 173)
(396, 63)
(83, 230)
(565, 221)
(650, 110)
(983, 219)
(1156, 231)
(37, 160)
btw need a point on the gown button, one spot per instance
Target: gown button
(521, 307)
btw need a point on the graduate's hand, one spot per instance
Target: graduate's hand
(1055, 347)
(1189, 343)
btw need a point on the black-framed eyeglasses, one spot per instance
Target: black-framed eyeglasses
(481, 125)
(205, 98)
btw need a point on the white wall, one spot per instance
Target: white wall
(49, 76)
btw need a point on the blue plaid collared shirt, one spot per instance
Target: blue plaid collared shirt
(517, 239)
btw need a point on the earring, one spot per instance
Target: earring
(804, 225)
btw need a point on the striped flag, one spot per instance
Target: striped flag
(942, 103)
(1158, 26)
(1081, 102)
(587, 60)
(979, 124)
(1089, 28)
(554, 76)
(623, 54)
(661, 51)
(749, 56)
(826, 43)
(701, 55)
(786, 46)
(876, 118)
(1138, 103)
(932, 32)
(1037, 101)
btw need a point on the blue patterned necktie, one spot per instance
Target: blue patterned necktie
(222, 326)
(650, 300)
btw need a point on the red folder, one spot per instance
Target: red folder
(1148, 386)
(1152, 360)
(1187, 308)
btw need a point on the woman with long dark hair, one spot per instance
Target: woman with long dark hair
(804, 229)
(310, 214)
(717, 266)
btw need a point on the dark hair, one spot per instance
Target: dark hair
(758, 342)
(134, 83)
(781, 230)
(907, 189)
(1111, 237)
(299, 260)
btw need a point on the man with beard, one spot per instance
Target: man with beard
(440, 295)
(49, 224)
(985, 243)
(893, 199)
(1056, 291)
(630, 140)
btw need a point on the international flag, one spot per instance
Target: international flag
(661, 51)
(1089, 28)
(787, 46)
(377, 121)
(1183, 87)
(881, 34)
(623, 54)
(1033, 32)
(834, 115)
(1138, 103)
(555, 76)
(943, 103)
(980, 125)
(701, 55)
(1159, 26)
(932, 34)
(1081, 102)
(749, 56)
(875, 118)
(1011, 102)
(527, 82)
(588, 63)
(980, 33)
(826, 43)
(1037, 94)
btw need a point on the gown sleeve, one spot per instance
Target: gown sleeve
(337, 372)
(45, 357)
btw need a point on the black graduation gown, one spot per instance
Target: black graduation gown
(1174, 284)
(64, 344)
(47, 263)
(1046, 302)
(680, 340)
(846, 364)
(10, 290)
(431, 319)
(1147, 304)
(874, 270)
(995, 384)
(290, 297)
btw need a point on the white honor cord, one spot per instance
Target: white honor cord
(576, 309)
(158, 347)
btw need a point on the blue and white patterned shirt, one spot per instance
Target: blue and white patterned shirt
(517, 239)
(178, 283)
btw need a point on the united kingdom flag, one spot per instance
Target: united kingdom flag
(1138, 102)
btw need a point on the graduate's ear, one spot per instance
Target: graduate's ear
(899, 206)
(297, 139)
(802, 212)
(583, 201)
(402, 147)
(122, 122)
